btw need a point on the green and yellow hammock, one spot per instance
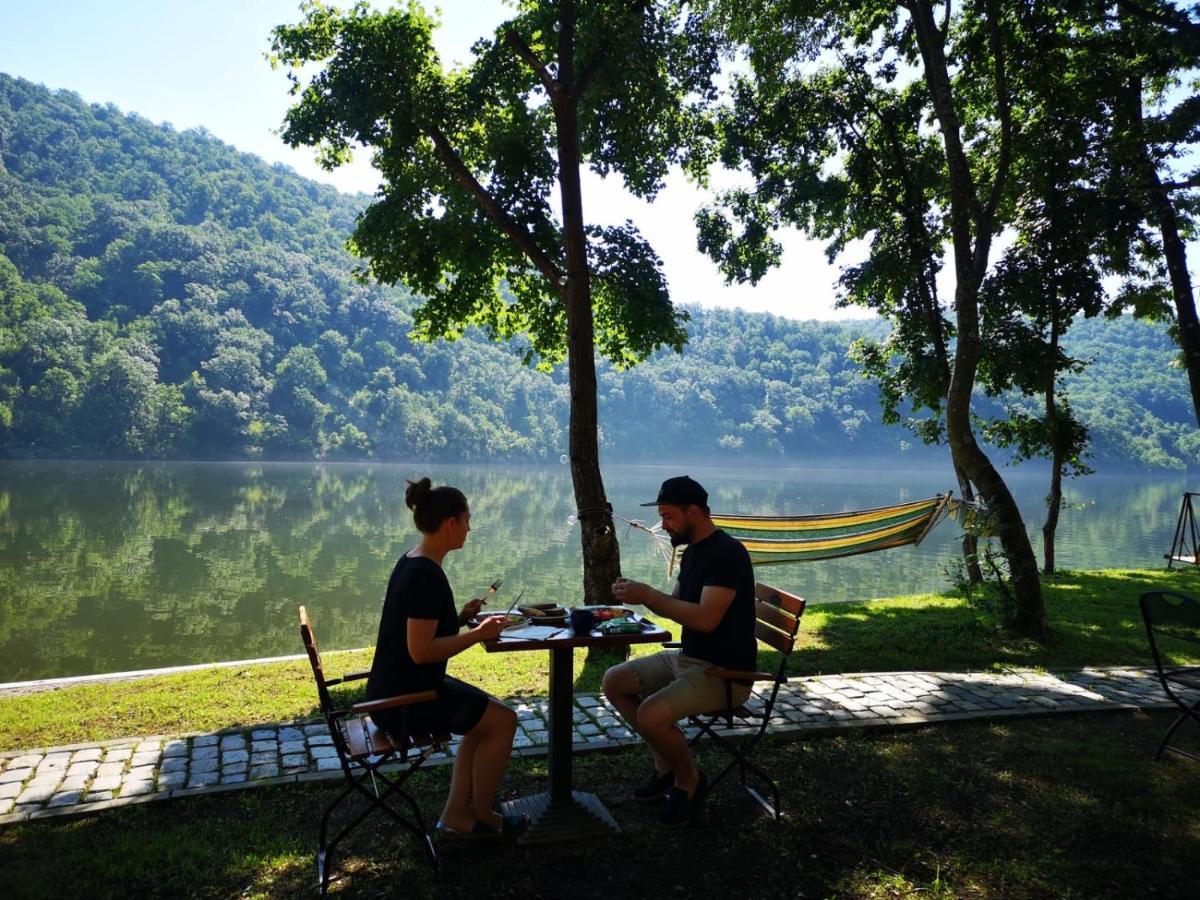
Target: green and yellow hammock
(780, 539)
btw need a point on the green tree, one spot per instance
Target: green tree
(1145, 62)
(470, 159)
(963, 175)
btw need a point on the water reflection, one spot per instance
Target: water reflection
(106, 567)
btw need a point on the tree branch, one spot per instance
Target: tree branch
(597, 62)
(1004, 108)
(524, 51)
(518, 235)
(1184, 185)
(1168, 19)
(946, 20)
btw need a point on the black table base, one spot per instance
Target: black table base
(580, 818)
(563, 814)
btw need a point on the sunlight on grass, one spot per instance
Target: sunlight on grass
(1093, 617)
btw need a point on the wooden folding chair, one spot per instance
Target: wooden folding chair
(363, 749)
(1171, 618)
(778, 620)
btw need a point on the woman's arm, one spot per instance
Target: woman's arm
(425, 647)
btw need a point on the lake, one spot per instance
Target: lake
(108, 567)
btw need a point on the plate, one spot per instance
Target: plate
(604, 613)
(513, 618)
(544, 614)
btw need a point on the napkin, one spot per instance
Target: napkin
(532, 632)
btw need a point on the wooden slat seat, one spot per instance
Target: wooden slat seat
(365, 738)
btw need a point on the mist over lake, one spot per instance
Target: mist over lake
(115, 566)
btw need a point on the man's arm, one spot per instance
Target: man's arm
(703, 616)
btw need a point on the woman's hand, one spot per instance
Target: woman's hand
(470, 610)
(489, 629)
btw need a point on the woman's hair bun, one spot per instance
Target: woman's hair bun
(416, 493)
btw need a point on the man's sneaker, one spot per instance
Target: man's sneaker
(681, 809)
(655, 787)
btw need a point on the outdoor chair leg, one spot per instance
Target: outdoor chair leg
(376, 801)
(324, 854)
(738, 760)
(1188, 713)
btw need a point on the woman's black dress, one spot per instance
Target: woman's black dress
(418, 589)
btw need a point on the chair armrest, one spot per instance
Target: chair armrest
(349, 676)
(738, 674)
(673, 645)
(370, 706)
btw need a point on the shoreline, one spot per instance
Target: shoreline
(17, 688)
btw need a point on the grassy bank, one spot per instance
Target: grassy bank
(1093, 616)
(1069, 807)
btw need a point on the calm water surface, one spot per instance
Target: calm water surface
(113, 566)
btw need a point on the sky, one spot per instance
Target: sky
(193, 64)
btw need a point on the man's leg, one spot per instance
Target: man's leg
(656, 723)
(624, 691)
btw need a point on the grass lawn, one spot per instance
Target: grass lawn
(1065, 807)
(1093, 618)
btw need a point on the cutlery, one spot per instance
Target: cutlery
(514, 603)
(495, 587)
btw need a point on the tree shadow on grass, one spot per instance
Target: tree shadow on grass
(1073, 807)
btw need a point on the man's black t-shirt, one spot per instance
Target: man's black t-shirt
(418, 589)
(721, 561)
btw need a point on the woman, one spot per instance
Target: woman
(418, 632)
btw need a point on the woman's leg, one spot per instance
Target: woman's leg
(482, 755)
(495, 733)
(457, 812)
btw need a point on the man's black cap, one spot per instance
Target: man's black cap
(680, 491)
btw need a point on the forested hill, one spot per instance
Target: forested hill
(164, 295)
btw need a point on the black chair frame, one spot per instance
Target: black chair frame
(363, 750)
(778, 621)
(1161, 610)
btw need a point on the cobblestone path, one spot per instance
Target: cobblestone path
(83, 778)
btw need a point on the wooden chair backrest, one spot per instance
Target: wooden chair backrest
(778, 617)
(314, 660)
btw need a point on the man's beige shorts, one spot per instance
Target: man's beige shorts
(679, 682)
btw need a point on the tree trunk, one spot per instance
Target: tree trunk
(1175, 252)
(601, 555)
(1053, 504)
(967, 216)
(1057, 451)
(1162, 211)
(970, 543)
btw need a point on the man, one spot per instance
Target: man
(714, 602)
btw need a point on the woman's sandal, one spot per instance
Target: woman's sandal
(512, 825)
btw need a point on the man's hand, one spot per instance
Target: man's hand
(626, 591)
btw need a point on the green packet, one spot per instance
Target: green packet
(620, 626)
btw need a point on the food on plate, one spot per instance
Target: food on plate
(604, 613)
(544, 611)
(511, 619)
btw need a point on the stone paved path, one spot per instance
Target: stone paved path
(47, 782)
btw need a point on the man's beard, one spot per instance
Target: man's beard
(684, 536)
